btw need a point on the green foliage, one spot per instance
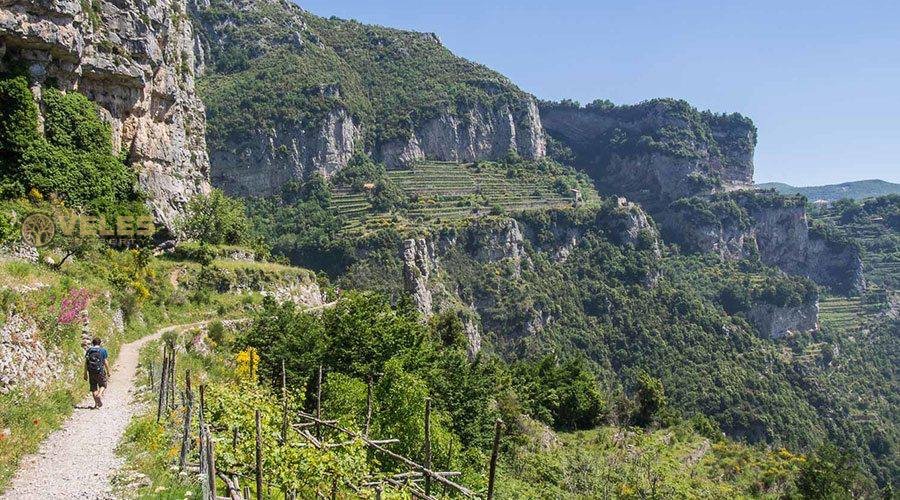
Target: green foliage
(200, 252)
(300, 225)
(614, 462)
(566, 396)
(73, 160)
(827, 474)
(651, 400)
(216, 219)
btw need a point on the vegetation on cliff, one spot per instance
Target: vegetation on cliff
(275, 63)
(72, 160)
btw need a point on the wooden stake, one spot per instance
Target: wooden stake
(427, 463)
(171, 377)
(162, 387)
(186, 430)
(252, 351)
(202, 409)
(211, 466)
(259, 471)
(319, 405)
(496, 449)
(368, 405)
(284, 404)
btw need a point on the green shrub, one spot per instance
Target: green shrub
(216, 219)
(73, 161)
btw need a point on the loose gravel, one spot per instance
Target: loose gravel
(78, 460)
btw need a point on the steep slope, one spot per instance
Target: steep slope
(289, 93)
(856, 190)
(657, 151)
(135, 60)
(764, 225)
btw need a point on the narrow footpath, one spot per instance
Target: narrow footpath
(77, 460)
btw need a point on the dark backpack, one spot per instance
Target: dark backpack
(94, 360)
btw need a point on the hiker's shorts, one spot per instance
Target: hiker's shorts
(97, 380)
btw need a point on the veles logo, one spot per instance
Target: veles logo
(39, 229)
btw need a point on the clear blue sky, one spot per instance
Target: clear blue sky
(820, 79)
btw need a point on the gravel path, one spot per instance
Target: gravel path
(77, 460)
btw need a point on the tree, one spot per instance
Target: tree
(651, 400)
(216, 219)
(827, 474)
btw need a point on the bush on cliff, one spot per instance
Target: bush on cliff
(72, 161)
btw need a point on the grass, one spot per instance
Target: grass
(32, 414)
(444, 192)
(30, 418)
(846, 315)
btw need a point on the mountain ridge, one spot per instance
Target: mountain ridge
(857, 190)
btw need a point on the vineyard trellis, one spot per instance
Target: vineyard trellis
(410, 476)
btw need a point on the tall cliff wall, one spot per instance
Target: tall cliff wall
(657, 151)
(290, 94)
(446, 271)
(135, 59)
(773, 228)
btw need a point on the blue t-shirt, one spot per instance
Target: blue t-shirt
(103, 352)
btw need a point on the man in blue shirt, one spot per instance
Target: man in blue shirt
(96, 370)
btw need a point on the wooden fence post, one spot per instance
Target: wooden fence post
(171, 396)
(259, 471)
(368, 405)
(496, 449)
(186, 431)
(427, 463)
(319, 405)
(202, 409)
(284, 404)
(162, 386)
(211, 465)
(252, 352)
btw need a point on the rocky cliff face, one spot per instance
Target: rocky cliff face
(776, 322)
(436, 269)
(260, 164)
(332, 87)
(658, 151)
(773, 228)
(135, 59)
(477, 133)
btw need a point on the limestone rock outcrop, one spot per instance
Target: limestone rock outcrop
(775, 322)
(657, 151)
(25, 362)
(136, 61)
(776, 229)
(476, 133)
(264, 162)
(419, 263)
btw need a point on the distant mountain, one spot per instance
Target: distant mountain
(856, 189)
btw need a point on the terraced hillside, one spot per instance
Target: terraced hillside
(442, 192)
(873, 223)
(848, 315)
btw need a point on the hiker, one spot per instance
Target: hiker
(96, 370)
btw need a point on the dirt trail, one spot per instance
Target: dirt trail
(77, 460)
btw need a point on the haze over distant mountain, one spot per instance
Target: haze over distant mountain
(856, 190)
